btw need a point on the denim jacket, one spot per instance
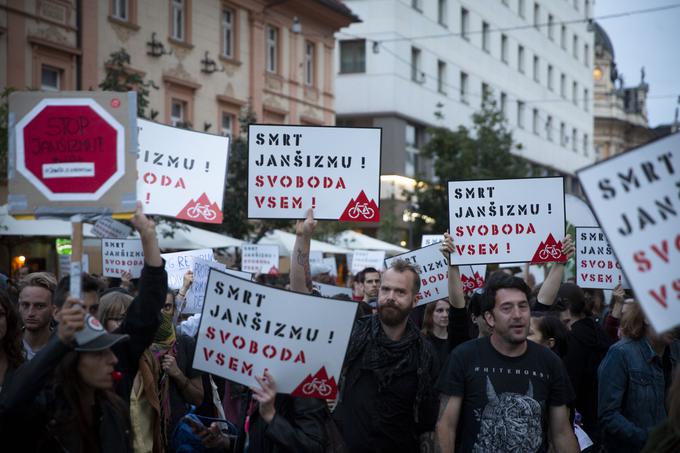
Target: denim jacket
(631, 393)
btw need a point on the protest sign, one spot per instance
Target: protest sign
(196, 293)
(181, 169)
(635, 198)
(330, 262)
(260, 259)
(596, 264)
(361, 259)
(178, 263)
(507, 220)
(247, 328)
(429, 239)
(106, 227)
(334, 170)
(121, 255)
(472, 277)
(433, 269)
(331, 290)
(72, 153)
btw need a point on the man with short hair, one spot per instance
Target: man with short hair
(504, 393)
(371, 282)
(386, 401)
(90, 289)
(36, 309)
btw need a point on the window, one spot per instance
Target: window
(520, 114)
(550, 77)
(272, 49)
(563, 37)
(178, 113)
(563, 85)
(310, 50)
(586, 99)
(586, 55)
(178, 20)
(576, 4)
(416, 74)
(574, 49)
(486, 92)
(50, 78)
(352, 56)
(485, 36)
(520, 8)
(228, 32)
(442, 13)
(574, 93)
(504, 48)
(536, 69)
(574, 139)
(520, 58)
(464, 23)
(417, 5)
(563, 134)
(441, 77)
(119, 9)
(463, 87)
(548, 128)
(537, 16)
(585, 144)
(551, 27)
(534, 122)
(227, 124)
(411, 164)
(504, 103)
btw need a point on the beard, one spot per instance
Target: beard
(391, 315)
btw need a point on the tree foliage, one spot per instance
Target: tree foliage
(119, 77)
(482, 152)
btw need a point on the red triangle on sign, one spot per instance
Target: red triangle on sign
(317, 386)
(549, 251)
(201, 210)
(361, 210)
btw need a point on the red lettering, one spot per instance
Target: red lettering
(271, 351)
(239, 342)
(220, 359)
(286, 181)
(661, 296)
(300, 357)
(247, 368)
(210, 333)
(286, 354)
(207, 353)
(224, 336)
(233, 363)
(259, 181)
(643, 263)
(149, 178)
(253, 347)
(663, 253)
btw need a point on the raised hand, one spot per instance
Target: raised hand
(265, 396)
(71, 319)
(306, 227)
(568, 248)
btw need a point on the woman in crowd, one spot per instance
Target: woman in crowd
(11, 354)
(546, 329)
(112, 309)
(435, 328)
(633, 379)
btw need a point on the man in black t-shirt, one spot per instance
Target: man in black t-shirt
(504, 393)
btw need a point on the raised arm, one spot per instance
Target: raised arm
(551, 285)
(300, 274)
(456, 292)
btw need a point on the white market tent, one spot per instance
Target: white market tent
(286, 241)
(191, 238)
(357, 241)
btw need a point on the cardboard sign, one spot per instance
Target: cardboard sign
(636, 200)
(331, 290)
(334, 170)
(121, 255)
(260, 259)
(596, 264)
(433, 268)
(247, 328)
(106, 227)
(429, 239)
(181, 172)
(72, 153)
(472, 277)
(361, 259)
(507, 220)
(177, 264)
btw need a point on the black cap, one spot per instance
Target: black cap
(94, 337)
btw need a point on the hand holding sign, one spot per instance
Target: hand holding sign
(265, 396)
(568, 248)
(446, 246)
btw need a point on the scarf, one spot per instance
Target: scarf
(372, 350)
(164, 342)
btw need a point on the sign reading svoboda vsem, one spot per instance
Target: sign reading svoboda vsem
(333, 170)
(596, 264)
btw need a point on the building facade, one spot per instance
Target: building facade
(408, 59)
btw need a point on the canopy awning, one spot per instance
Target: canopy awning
(286, 241)
(357, 241)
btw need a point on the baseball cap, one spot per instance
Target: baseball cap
(94, 337)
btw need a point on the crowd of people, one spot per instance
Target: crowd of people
(510, 367)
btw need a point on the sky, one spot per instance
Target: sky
(649, 40)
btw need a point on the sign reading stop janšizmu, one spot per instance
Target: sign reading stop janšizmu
(72, 152)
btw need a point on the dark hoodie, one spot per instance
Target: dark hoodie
(587, 345)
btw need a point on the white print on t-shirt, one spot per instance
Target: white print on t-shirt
(509, 422)
(516, 371)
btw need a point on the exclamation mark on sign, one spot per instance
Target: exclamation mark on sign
(313, 202)
(330, 336)
(436, 289)
(148, 197)
(507, 247)
(363, 162)
(549, 208)
(207, 166)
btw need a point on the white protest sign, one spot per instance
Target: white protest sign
(636, 200)
(247, 328)
(507, 220)
(361, 259)
(181, 172)
(331, 290)
(596, 264)
(194, 297)
(334, 170)
(106, 227)
(472, 277)
(259, 258)
(433, 268)
(330, 262)
(177, 264)
(429, 239)
(121, 255)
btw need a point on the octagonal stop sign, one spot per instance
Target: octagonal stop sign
(70, 149)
